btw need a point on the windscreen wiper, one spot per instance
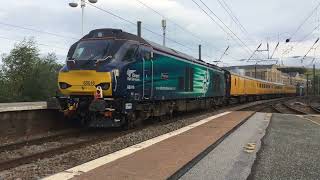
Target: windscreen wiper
(104, 59)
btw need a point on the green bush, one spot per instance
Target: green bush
(26, 76)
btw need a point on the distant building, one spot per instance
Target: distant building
(269, 73)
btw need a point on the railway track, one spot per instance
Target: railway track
(284, 108)
(69, 143)
(52, 151)
(37, 141)
(314, 108)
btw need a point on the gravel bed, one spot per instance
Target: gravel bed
(4, 140)
(32, 149)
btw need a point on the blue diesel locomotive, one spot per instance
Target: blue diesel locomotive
(113, 78)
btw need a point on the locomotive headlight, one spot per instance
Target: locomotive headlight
(64, 85)
(104, 86)
(116, 72)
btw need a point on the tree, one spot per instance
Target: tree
(26, 75)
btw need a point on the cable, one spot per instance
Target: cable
(292, 47)
(286, 51)
(309, 50)
(306, 36)
(305, 20)
(35, 30)
(234, 18)
(219, 24)
(130, 22)
(41, 44)
(179, 26)
(225, 25)
(228, 7)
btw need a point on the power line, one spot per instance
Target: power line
(291, 48)
(132, 23)
(310, 50)
(225, 25)
(40, 44)
(233, 14)
(176, 24)
(36, 30)
(305, 20)
(234, 18)
(219, 24)
(182, 28)
(306, 36)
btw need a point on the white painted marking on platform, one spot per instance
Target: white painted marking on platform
(70, 173)
(309, 119)
(23, 106)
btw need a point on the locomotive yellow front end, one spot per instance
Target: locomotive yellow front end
(84, 82)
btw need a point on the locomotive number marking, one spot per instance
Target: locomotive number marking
(88, 83)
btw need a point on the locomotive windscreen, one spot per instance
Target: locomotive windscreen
(92, 50)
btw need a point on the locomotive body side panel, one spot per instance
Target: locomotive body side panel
(166, 77)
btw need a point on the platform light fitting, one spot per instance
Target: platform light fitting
(73, 4)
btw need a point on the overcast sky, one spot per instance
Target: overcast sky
(264, 20)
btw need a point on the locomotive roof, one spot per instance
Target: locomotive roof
(119, 34)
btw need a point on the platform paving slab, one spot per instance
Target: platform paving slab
(229, 160)
(291, 150)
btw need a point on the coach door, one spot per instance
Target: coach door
(147, 72)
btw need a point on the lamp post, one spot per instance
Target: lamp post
(82, 5)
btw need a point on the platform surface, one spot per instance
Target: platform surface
(22, 106)
(291, 149)
(229, 160)
(162, 159)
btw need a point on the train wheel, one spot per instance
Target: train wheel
(129, 121)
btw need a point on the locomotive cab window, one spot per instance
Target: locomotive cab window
(131, 53)
(92, 50)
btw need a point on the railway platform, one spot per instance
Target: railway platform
(290, 149)
(166, 156)
(230, 145)
(28, 118)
